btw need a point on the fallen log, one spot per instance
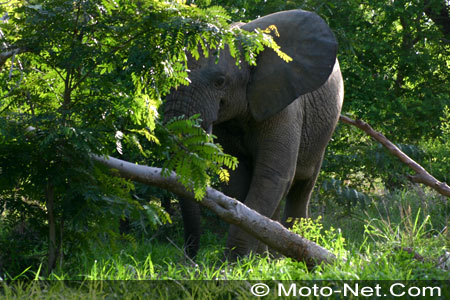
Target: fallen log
(422, 175)
(232, 211)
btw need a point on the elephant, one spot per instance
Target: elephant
(276, 117)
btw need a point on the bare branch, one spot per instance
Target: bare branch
(232, 211)
(11, 53)
(422, 175)
(181, 250)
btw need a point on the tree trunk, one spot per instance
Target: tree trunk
(52, 252)
(232, 211)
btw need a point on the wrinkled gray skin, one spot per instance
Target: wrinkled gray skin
(276, 118)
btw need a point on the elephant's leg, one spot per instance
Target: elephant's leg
(239, 183)
(237, 187)
(239, 242)
(190, 212)
(274, 167)
(297, 200)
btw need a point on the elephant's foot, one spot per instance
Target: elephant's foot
(273, 254)
(240, 244)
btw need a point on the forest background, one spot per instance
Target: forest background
(88, 77)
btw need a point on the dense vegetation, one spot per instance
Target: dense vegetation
(88, 77)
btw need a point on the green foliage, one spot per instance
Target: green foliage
(193, 152)
(333, 190)
(313, 230)
(88, 77)
(363, 165)
(396, 68)
(438, 150)
(395, 63)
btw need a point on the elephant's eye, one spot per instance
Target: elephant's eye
(220, 82)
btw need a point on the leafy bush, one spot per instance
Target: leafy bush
(437, 150)
(330, 238)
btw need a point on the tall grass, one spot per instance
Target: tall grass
(401, 236)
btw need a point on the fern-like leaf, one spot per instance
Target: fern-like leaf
(194, 155)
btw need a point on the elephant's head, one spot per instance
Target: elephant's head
(221, 91)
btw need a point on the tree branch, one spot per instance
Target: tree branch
(422, 175)
(232, 211)
(7, 54)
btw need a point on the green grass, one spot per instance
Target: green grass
(369, 244)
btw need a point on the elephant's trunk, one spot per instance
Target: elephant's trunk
(209, 129)
(185, 102)
(170, 113)
(177, 106)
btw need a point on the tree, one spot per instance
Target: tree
(88, 77)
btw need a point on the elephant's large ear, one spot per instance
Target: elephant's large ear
(274, 83)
